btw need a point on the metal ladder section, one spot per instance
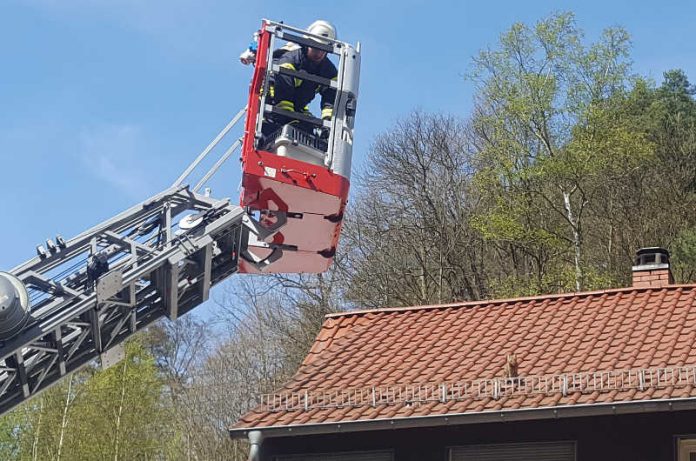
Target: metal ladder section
(159, 258)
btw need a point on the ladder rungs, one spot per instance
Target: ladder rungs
(304, 75)
(305, 41)
(297, 116)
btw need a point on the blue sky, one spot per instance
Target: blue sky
(104, 102)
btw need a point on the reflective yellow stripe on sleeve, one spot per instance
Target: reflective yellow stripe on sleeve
(291, 66)
(286, 105)
(327, 112)
(321, 88)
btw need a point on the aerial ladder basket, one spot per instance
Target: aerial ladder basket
(296, 181)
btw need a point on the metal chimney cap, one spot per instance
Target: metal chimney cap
(650, 250)
(651, 258)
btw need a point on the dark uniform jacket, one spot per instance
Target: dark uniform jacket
(295, 94)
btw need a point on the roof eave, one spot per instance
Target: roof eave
(522, 414)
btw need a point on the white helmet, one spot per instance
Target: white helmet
(323, 29)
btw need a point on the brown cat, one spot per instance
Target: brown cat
(510, 369)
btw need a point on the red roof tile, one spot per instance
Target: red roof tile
(360, 357)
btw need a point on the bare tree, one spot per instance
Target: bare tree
(408, 235)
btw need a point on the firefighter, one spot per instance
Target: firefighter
(294, 94)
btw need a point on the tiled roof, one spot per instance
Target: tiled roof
(619, 333)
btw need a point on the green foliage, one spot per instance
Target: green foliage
(12, 426)
(115, 414)
(503, 224)
(557, 280)
(683, 256)
(552, 144)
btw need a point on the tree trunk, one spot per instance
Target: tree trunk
(37, 434)
(120, 409)
(64, 421)
(577, 239)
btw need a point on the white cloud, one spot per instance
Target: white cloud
(115, 154)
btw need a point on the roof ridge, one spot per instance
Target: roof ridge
(487, 302)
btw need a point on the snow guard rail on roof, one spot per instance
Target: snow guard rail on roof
(495, 388)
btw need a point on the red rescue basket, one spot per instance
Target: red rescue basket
(296, 181)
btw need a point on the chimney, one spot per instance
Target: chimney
(652, 268)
